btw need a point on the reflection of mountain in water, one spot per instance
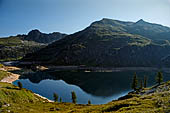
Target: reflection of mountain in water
(98, 84)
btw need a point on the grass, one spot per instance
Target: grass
(3, 74)
(14, 48)
(1, 65)
(11, 41)
(24, 101)
(10, 59)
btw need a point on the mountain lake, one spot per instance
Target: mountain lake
(98, 87)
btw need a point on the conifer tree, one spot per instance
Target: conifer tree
(159, 78)
(20, 85)
(55, 97)
(89, 102)
(145, 81)
(134, 82)
(74, 97)
(141, 84)
(60, 99)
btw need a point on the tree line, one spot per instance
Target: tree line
(139, 84)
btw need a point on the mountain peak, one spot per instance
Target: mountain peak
(107, 19)
(37, 36)
(141, 21)
(35, 31)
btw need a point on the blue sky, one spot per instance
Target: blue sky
(69, 16)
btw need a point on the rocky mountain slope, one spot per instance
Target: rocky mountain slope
(37, 36)
(110, 43)
(15, 47)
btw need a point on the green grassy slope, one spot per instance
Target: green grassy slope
(3, 74)
(13, 48)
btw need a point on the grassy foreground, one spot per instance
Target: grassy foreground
(150, 100)
(3, 74)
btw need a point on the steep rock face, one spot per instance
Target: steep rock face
(109, 43)
(37, 36)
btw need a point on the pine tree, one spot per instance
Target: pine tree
(145, 81)
(89, 102)
(55, 97)
(134, 82)
(141, 84)
(20, 85)
(159, 77)
(60, 99)
(74, 97)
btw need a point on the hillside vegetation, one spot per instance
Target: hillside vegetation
(15, 47)
(110, 43)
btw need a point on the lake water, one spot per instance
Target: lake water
(99, 88)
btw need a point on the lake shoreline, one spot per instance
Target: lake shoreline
(10, 78)
(41, 67)
(13, 77)
(104, 69)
